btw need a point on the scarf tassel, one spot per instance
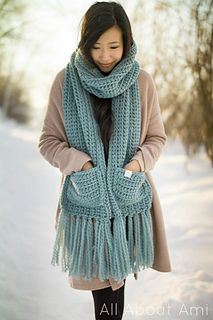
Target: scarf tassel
(90, 250)
(143, 242)
(120, 248)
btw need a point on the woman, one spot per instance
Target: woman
(103, 130)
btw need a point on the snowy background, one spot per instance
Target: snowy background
(31, 288)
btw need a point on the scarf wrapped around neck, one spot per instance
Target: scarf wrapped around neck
(92, 199)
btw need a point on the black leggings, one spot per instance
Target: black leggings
(109, 304)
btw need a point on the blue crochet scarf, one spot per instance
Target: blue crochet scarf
(93, 199)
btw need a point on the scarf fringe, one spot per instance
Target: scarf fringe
(87, 248)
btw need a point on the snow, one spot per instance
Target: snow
(31, 288)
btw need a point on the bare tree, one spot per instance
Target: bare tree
(12, 100)
(182, 40)
(201, 66)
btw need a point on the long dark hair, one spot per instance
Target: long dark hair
(99, 18)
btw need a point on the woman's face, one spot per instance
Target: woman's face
(108, 49)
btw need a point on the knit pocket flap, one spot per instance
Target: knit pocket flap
(129, 188)
(85, 188)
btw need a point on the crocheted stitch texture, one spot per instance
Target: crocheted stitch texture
(91, 198)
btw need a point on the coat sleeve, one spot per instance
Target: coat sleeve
(154, 138)
(53, 143)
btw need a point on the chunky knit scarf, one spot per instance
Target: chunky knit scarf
(92, 199)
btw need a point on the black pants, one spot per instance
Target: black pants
(109, 304)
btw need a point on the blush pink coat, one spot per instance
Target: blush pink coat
(54, 147)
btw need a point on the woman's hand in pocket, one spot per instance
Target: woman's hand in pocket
(133, 166)
(88, 165)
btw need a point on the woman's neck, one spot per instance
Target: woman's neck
(105, 73)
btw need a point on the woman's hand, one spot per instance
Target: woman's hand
(133, 166)
(88, 165)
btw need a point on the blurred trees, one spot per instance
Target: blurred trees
(13, 101)
(181, 42)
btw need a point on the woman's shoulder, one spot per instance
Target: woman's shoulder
(57, 83)
(145, 76)
(59, 76)
(146, 80)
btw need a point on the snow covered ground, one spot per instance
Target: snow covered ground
(31, 288)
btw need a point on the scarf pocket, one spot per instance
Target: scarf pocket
(85, 188)
(132, 189)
